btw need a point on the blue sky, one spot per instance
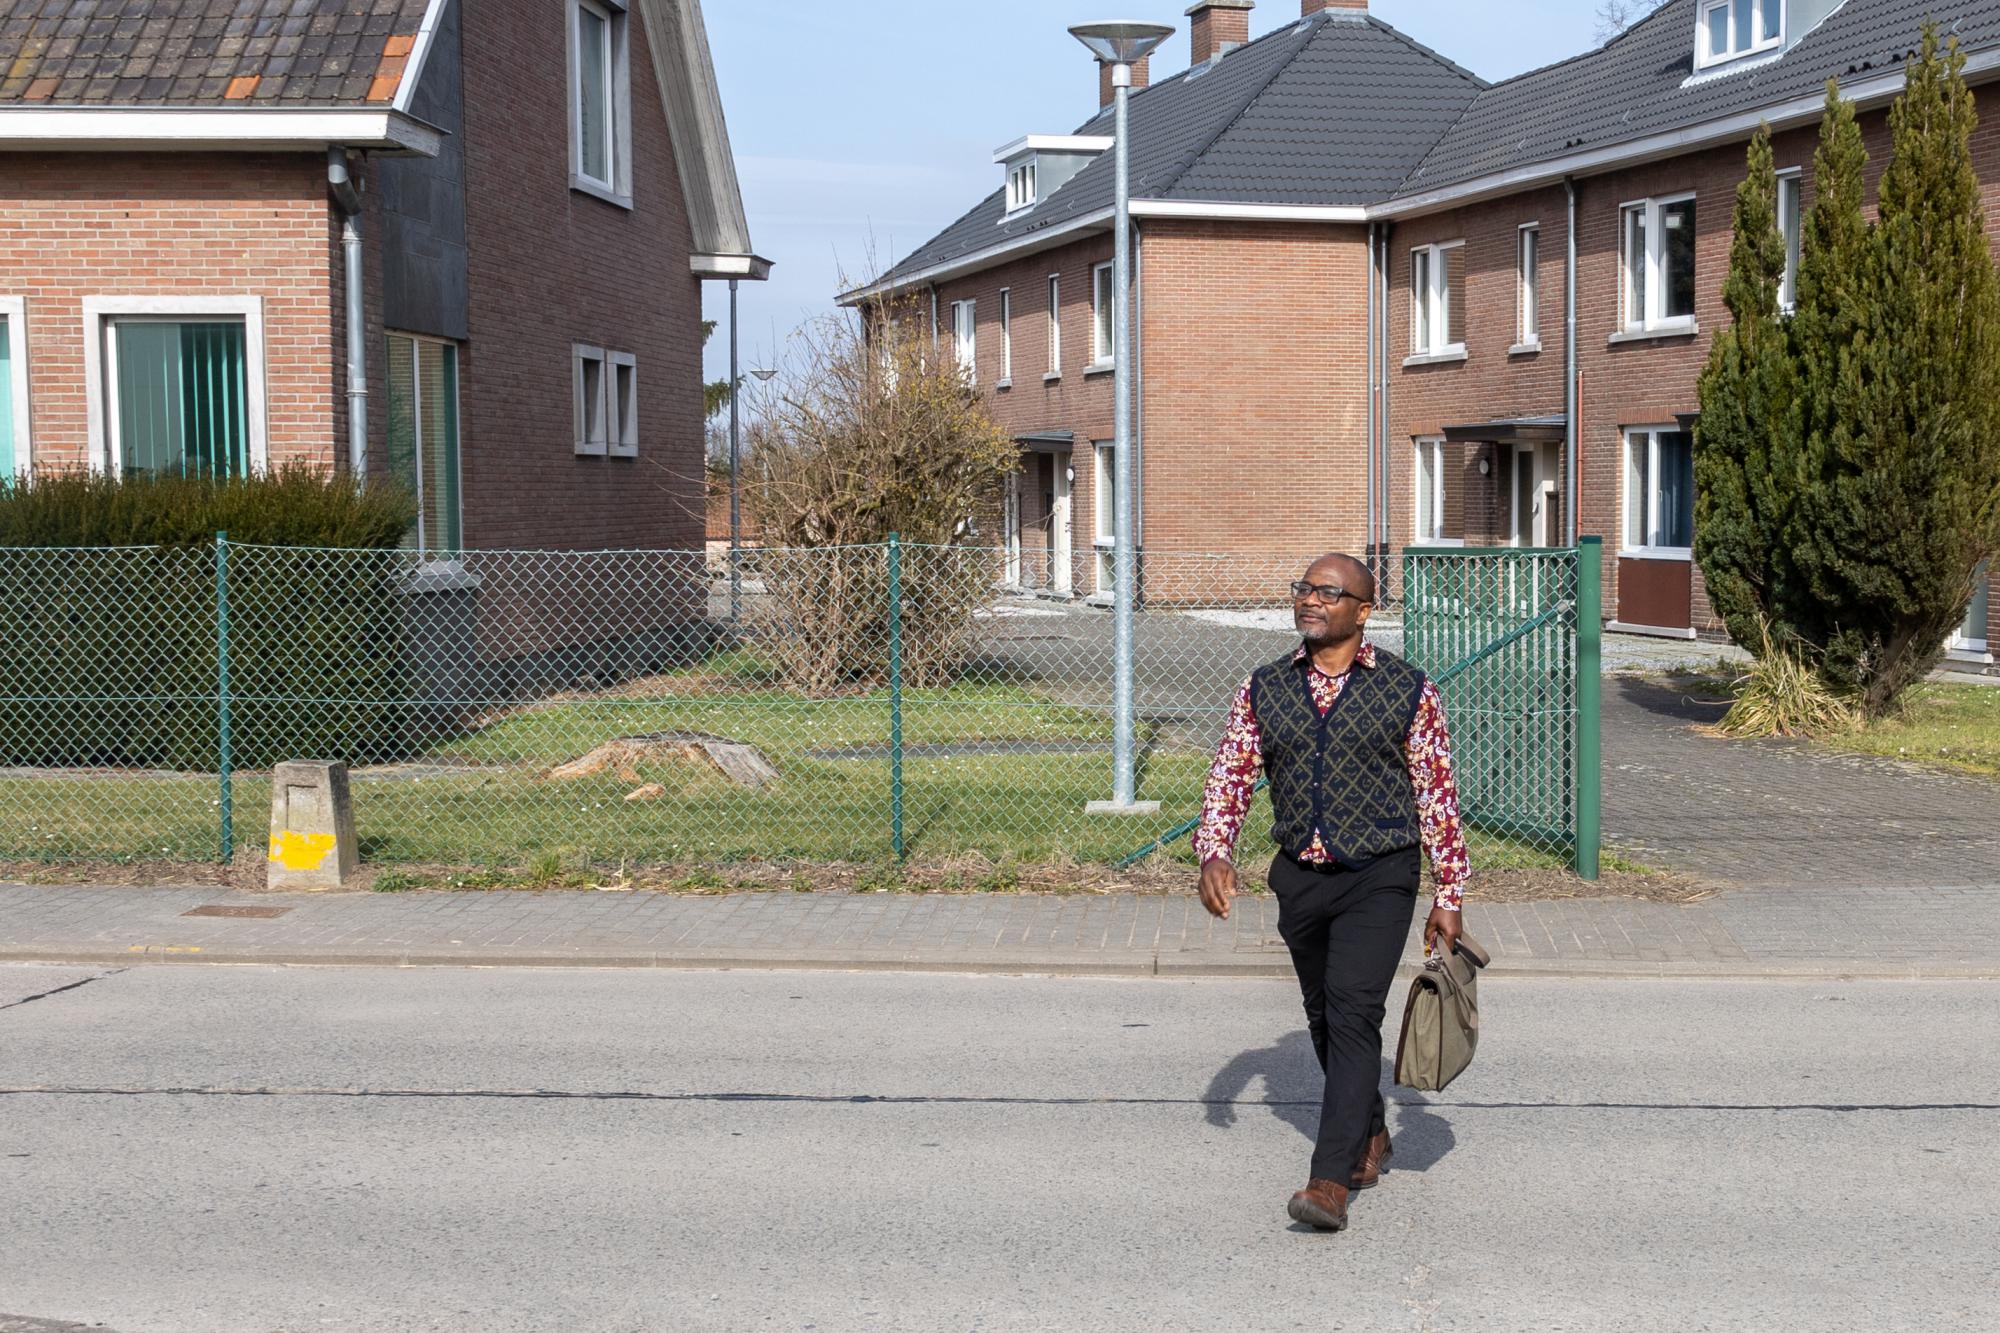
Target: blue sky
(862, 127)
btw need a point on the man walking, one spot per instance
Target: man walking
(1353, 739)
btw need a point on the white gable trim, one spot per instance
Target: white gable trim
(413, 69)
(96, 128)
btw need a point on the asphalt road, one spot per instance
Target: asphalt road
(223, 1149)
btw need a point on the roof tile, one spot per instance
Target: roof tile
(204, 52)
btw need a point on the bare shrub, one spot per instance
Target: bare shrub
(879, 432)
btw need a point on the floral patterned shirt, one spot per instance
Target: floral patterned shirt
(1232, 777)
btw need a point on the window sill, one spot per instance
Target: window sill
(580, 185)
(1422, 544)
(1449, 356)
(436, 575)
(1526, 349)
(592, 449)
(1052, 377)
(1099, 368)
(1003, 384)
(1679, 553)
(1658, 333)
(1651, 631)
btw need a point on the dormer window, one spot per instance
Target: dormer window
(1037, 165)
(1021, 186)
(1729, 29)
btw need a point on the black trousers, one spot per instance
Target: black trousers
(1346, 930)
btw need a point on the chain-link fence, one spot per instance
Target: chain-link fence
(621, 708)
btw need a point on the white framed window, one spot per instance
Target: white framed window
(965, 337)
(1104, 507)
(1728, 29)
(1006, 337)
(1055, 325)
(1972, 637)
(593, 435)
(1659, 492)
(1658, 264)
(1527, 303)
(1102, 300)
(421, 422)
(1791, 225)
(606, 408)
(1437, 299)
(177, 384)
(1428, 503)
(621, 404)
(1021, 186)
(600, 101)
(15, 455)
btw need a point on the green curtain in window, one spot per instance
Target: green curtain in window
(181, 398)
(423, 438)
(6, 401)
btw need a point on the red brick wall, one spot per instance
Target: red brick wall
(550, 266)
(1251, 344)
(182, 224)
(1256, 390)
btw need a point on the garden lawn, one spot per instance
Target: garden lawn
(1952, 726)
(483, 798)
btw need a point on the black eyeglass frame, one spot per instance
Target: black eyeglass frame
(1326, 592)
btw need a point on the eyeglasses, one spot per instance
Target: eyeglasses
(1326, 592)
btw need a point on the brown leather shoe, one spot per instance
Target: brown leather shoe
(1374, 1161)
(1322, 1205)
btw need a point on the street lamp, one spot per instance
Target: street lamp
(735, 466)
(1122, 45)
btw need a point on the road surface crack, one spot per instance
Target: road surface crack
(58, 990)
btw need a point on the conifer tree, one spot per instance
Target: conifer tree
(1901, 485)
(1747, 433)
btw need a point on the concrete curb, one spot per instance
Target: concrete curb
(1164, 967)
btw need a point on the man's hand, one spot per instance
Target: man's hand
(1446, 923)
(1218, 886)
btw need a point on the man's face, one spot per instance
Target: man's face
(1321, 616)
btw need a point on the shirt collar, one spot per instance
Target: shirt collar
(1365, 657)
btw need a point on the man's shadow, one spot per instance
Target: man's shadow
(1292, 1090)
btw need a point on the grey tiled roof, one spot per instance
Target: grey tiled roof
(1333, 109)
(1639, 85)
(204, 52)
(1343, 109)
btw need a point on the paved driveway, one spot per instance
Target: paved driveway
(1781, 812)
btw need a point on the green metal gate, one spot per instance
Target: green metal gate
(1514, 639)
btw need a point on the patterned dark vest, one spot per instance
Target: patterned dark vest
(1343, 774)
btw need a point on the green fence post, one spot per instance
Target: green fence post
(1589, 702)
(226, 801)
(896, 693)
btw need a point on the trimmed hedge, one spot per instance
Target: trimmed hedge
(109, 625)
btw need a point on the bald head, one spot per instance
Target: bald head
(1338, 568)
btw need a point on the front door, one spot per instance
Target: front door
(1534, 497)
(1972, 639)
(1061, 544)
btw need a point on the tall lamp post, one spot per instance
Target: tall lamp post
(1122, 45)
(735, 464)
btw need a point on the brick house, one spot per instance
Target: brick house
(1356, 269)
(521, 203)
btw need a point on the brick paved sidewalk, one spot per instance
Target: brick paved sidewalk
(1857, 932)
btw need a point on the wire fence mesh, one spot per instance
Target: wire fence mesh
(637, 708)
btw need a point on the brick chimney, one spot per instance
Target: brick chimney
(1140, 78)
(1217, 25)
(1307, 8)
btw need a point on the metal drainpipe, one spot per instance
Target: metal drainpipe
(341, 184)
(1384, 508)
(1572, 510)
(1372, 387)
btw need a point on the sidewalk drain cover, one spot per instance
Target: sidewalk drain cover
(255, 913)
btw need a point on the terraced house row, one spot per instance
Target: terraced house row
(1381, 301)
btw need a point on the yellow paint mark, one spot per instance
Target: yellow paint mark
(164, 948)
(302, 851)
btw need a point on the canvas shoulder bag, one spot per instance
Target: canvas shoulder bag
(1441, 1019)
